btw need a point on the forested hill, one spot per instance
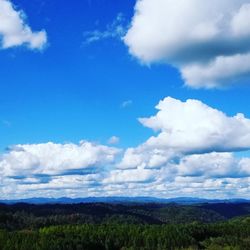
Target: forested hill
(97, 226)
(22, 215)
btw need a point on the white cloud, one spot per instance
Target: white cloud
(221, 72)
(55, 159)
(145, 156)
(194, 127)
(113, 140)
(193, 141)
(239, 22)
(190, 156)
(130, 176)
(195, 37)
(61, 182)
(209, 175)
(14, 31)
(213, 165)
(244, 165)
(203, 175)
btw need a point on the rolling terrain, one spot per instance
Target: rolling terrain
(24, 215)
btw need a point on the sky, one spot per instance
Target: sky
(124, 98)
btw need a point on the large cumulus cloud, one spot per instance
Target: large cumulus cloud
(193, 127)
(183, 128)
(55, 159)
(208, 41)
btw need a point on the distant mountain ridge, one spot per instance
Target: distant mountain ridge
(118, 199)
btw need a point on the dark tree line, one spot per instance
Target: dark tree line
(28, 216)
(233, 234)
(98, 226)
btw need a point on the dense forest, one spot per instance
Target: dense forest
(124, 226)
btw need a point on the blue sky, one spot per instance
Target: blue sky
(68, 88)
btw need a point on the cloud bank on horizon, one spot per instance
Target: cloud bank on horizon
(14, 30)
(208, 43)
(191, 154)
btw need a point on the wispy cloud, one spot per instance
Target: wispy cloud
(126, 103)
(113, 140)
(6, 123)
(116, 30)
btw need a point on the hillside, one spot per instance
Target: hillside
(23, 216)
